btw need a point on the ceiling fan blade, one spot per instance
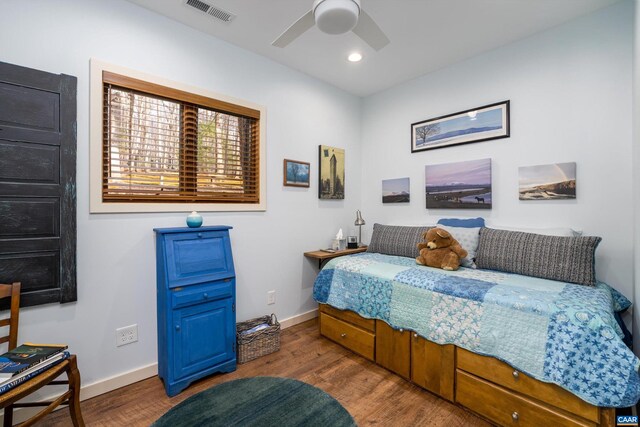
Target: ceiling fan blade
(296, 30)
(369, 31)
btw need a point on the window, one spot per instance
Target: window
(165, 148)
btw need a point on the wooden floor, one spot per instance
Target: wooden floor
(372, 395)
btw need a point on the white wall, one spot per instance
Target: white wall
(636, 168)
(116, 258)
(570, 92)
(571, 101)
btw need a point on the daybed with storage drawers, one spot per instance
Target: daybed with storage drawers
(517, 350)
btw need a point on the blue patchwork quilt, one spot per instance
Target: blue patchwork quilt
(555, 332)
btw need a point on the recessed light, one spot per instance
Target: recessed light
(354, 57)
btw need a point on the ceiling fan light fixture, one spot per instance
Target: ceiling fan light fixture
(355, 57)
(336, 16)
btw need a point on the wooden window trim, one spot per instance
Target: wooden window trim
(178, 95)
(100, 69)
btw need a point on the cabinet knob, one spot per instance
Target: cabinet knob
(401, 330)
(199, 234)
(177, 327)
(515, 416)
(415, 335)
(343, 335)
(205, 295)
(516, 375)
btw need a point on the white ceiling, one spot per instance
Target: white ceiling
(425, 34)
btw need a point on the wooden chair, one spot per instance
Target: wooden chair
(69, 366)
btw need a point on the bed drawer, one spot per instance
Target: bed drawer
(506, 408)
(349, 317)
(355, 339)
(502, 374)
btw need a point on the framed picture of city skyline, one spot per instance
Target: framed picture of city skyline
(474, 125)
(331, 170)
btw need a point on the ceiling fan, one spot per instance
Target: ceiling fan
(336, 17)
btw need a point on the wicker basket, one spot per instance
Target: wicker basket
(259, 343)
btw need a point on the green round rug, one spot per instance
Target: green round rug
(259, 401)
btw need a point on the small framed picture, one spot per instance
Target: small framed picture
(296, 174)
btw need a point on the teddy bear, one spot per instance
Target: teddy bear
(440, 250)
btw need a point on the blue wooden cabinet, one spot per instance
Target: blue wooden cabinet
(196, 304)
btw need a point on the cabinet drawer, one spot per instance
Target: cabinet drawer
(349, 317)
(189, 295)
(198, 257)
(355, 339)
(506, 408)
(500, 373)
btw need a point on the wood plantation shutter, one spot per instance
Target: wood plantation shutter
(165, 145)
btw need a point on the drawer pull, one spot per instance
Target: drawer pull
(401, 330)
(515, 416)
(516, 375)
(205, 295)
(343, 335)
(177, 327)
(415, 335)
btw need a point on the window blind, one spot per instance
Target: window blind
(165, 145)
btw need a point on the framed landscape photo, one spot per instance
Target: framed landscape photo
(474, 125)
(331, 182)
(556, 181)
(396, 190)
(459, 185)
(296, 174)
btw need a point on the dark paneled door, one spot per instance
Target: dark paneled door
(38, 183)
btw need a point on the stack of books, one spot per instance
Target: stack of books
(28, 360)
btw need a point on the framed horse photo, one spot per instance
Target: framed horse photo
(459, 185)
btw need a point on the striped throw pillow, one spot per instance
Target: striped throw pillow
(396, 240)
(567, 259)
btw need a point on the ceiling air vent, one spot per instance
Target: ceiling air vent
(212, 11)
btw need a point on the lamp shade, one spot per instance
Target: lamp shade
(359, 220)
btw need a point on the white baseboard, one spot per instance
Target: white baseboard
(299, 318)
(117, 381)
(133, 376)
(92, 390)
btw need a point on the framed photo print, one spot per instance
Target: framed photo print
(396, 190)
(556, 181)
(295, 173)
(331, 182)
(474, 125)
(459, 185)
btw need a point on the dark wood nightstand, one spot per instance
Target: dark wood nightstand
(323, 256)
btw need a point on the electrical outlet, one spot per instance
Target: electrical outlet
(271, 297)
(126, 335)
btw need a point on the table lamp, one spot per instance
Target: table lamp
(359, 222)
